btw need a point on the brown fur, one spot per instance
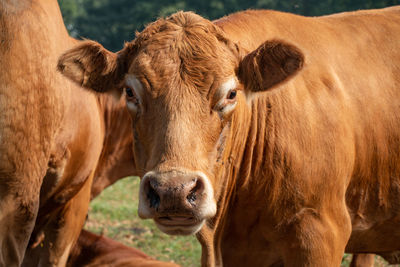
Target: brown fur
(92, 250)
(301, 173)
(55, 138)
(78, 63)
(277, 62)
(362, 260)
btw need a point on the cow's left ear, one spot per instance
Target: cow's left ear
(92, 66)
(270, 64)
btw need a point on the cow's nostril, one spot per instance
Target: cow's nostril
(154, 198)
(197, 189)
(152, 195)
(191, 197)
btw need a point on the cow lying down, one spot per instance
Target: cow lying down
(275, 138)
(92, 250)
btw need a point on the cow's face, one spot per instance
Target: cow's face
(184, 81)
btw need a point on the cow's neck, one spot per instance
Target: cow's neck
(268, 158)
(116, 160)
(253, 149)
(235, 146)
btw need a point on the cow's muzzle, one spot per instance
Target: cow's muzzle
(178, 201)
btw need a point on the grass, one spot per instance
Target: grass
(114, 214)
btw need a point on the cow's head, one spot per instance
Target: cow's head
(184, 83)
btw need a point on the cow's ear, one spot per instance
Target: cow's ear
(92, 66)
(270, 64)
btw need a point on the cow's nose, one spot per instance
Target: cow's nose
(172, 192)
(178, 201)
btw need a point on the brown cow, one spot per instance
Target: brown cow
(362, 260)
(54, 138)
(274, 137)
(92, 250)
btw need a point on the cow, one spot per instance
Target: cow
(93, 250)
(273, 137)
(55, 139)
(362, 260)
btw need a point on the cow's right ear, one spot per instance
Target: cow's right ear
(269, 65)
(92, 66)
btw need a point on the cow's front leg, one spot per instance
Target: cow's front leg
(316, 238)
(53, 245)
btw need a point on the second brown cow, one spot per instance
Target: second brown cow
(92, 250)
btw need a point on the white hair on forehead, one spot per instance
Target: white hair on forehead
(228, 85)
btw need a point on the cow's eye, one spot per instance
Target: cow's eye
(231, 95)
(129, 92)
(131, 99)
(226, 105)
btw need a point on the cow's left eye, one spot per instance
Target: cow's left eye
(227, 104)
(231, 95)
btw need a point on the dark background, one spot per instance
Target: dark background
(113, 22)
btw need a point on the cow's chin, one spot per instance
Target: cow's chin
(179, 226)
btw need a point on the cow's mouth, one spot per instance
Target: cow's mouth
(177, 220)
(178, 225)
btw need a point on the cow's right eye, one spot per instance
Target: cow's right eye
(132, 101)
(129, 92)
(131, 95)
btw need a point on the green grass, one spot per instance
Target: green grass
(114, 214)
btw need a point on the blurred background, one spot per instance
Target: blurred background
(113, 22)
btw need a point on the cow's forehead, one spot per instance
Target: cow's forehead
(184, 49)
